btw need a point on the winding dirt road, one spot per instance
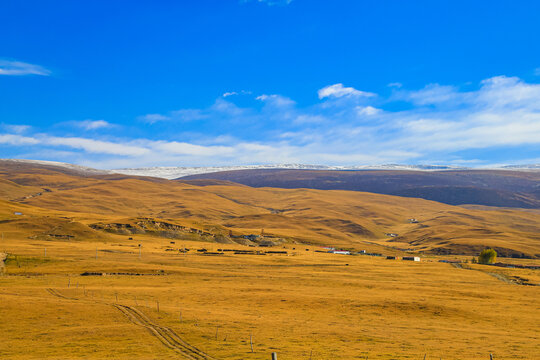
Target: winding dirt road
(164, 334)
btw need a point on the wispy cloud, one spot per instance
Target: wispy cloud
(367, 110)
(338, 90)
(91, 124)
(17, 140)
(18, 68)
(17, 129)
(232, 93)
(153, 118)
(346, 127)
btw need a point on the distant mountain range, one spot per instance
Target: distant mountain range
(47, 201)
(175, 172)
(515, 186)
(178, 172)
(501, 188)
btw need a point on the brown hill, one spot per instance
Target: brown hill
(90, 206)
(518, 189)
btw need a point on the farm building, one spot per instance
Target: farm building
(341, 252)
(411, 258)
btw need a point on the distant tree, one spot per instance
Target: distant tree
(487, 256)
(473, 260)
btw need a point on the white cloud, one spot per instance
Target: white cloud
(17, 129)
(17, 68)
(153, 118)
(537, 71)
(338, 90)
(442, 122)
(275, 100)
(183, 148)
(431, 94)
(17, 140)
(232, 93)
(95, 146)
(508, 92)
(92, 124)
(367, 110)
(395, 85)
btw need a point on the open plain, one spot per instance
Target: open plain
(114, 267)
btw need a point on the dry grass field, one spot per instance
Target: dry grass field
(301, 305)
(348, 219)
(61, 232)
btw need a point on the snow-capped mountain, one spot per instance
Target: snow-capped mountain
(522, 167)
(174, 172)
(177, 172)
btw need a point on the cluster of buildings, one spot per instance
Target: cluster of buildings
(332, 250)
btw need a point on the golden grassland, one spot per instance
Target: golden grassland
(348, 219)
(303, 305)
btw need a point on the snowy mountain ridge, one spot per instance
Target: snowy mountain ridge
(174, 172)
(178, 172)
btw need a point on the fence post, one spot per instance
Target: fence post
(490, 356)
(251, 341)
(274, 356)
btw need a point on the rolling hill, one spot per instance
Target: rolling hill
(501, 188)
(88, 205)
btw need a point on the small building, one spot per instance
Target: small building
(391, 234)
(411, 258)
(341, 252)
(391, 257)
(413, 221)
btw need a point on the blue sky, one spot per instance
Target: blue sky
(116, 84)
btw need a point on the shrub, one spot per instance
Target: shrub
(487, 256)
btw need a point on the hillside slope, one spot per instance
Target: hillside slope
(502, 188)
(349, 219)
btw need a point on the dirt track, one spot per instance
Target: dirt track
(164, 334)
